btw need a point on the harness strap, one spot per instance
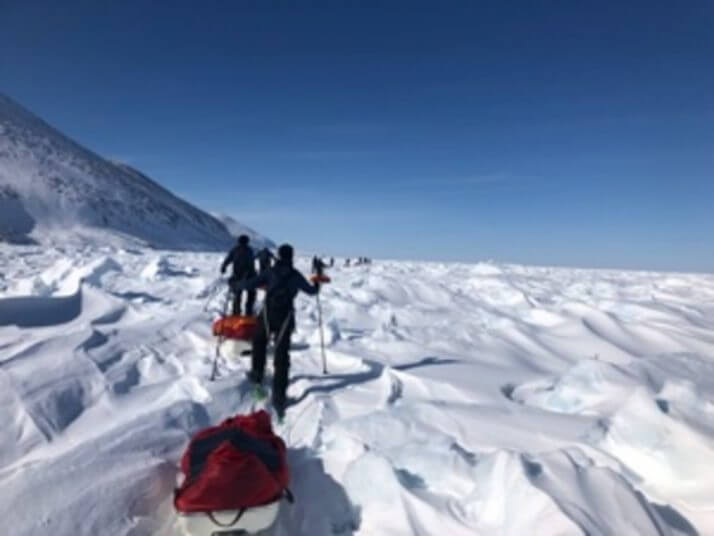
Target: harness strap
(265, 318)
(284, 327)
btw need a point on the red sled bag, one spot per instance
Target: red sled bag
(235, 327)
(237, 465)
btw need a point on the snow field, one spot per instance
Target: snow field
(462, 399)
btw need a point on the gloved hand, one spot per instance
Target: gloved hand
(223, 270)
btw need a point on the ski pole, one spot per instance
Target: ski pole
(215, 358)
(216, 287)
(220, 338)
(322, 335)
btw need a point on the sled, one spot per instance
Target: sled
(229, 522)
(235, 477)
(236, 349)
(319, 278)
(235, 327)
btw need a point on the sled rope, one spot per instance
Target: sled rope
(212, 293)
(221, 338)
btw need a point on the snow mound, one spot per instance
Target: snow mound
(590, 387)
(578, 487)
(162, 267)
(667, 456)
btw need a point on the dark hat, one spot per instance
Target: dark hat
(243, 239)
(285, 252)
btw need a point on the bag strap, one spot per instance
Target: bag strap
(229, 524)
(201, 449)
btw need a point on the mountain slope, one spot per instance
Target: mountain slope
(236, 228)
(51, 186)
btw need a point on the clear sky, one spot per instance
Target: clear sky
(576, 133)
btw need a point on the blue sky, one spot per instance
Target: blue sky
(576, 133)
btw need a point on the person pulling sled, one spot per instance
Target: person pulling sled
(277, 318)
(241, 256)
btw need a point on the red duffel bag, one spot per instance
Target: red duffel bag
(236, 465)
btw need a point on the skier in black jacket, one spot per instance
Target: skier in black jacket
(277, 318)
(243, 268)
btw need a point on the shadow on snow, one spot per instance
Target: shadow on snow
(374, 370)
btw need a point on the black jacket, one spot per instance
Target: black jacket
(280, 276)
(243, 262)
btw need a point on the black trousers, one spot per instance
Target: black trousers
(278, 323)
(249, 304)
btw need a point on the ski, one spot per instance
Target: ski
(260, 394)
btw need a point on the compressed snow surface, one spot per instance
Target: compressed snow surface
(461, 399)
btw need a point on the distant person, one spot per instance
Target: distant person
(318, 266)
(265, 260)
(347, 261)
(332, 262)
(241, 256)
(278, 319)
